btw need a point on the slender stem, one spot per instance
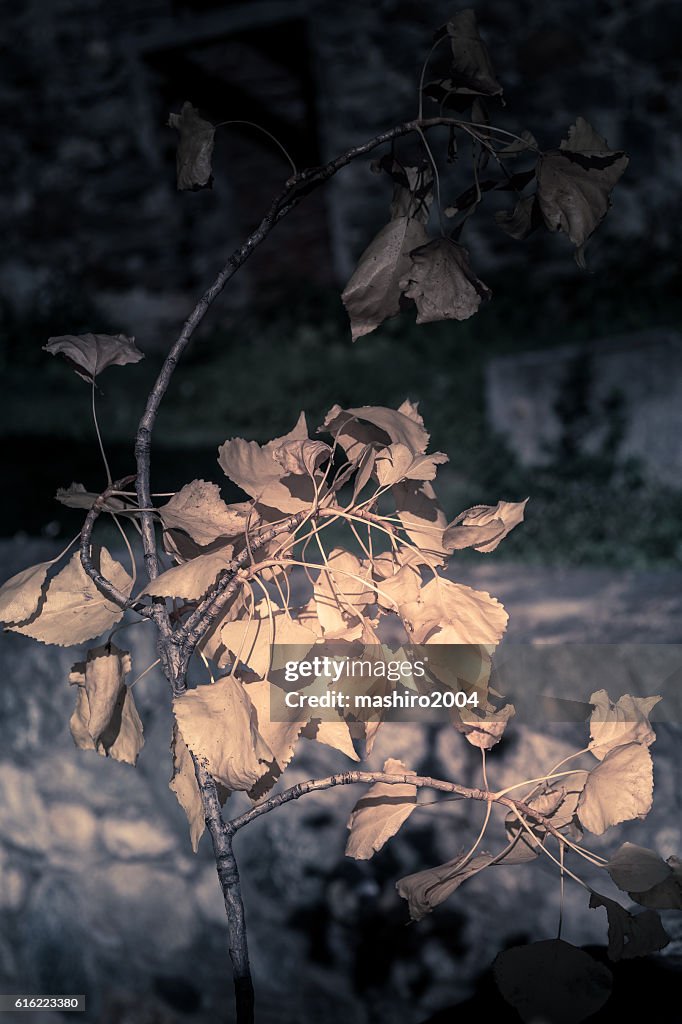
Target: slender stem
(273, 138)
(228, 875)
(99, 436)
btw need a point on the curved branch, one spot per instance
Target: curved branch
(420, 781)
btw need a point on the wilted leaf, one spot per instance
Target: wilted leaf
(626, 721)
(191, 580)
(423, 520)
(379, 814)
(20, 595)
(485, 731)
(199, 510)
(195, 148)
(574, 185)
(666, 895)
(450, 613)
(426, 889)
(250, 640)
(184, 784)
(253, 467)
(301, 456)
(631, 935)
(218, 724)
(281, 737)
(332, 734)
(413, 191)
(618, 789)
(105, 718)
(472, 70)
(74, 610)
(76, 496)
(89, 354)
(552, 982)
(396, 463)
(483, 526)
(635, 867)
(339, 594)
(442, 283)
(559, 804)
(354, 429)
(373, 293)
(523, 220)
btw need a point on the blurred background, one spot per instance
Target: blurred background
(566, 387)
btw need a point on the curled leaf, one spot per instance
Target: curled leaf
(426, 889)
(626, 721)
(442, 283)
(485, 730)
(552, 981)
(76, 496)
(631, 935)
(198, 509)
(354, 429)
(105, 718)
(618, 789)
(523, 220)
(20, 595)
(372, 294)
(301, 456)
(379, 814)
(483, 526)
(195, 148)
(396, 463)
(89, 354)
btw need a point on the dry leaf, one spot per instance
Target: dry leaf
(552, 981)
(450, 613)
(251, 640)
(332, 734)
(254, 468)
(635, 868)
(558, 804)
(442, 283)
(340, 591)
(301, 456)
(218, 724)
(199, 510)
(426, 889)
(379, 814)
(472, 70)
(89, 354)
(483, 526)
(195, 148)
(631, 935)
(486, 731)
(74, 610)
(373, 293)
(626, 721)
(105, 718)
(618, 789)
(191, 580)
(354, 429)
(396, 463)
(424, 522)
(20, 595)
(76, 496)
(523, 220)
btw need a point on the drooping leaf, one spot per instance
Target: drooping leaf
(191, 580)
(631, 935)
(635, 868)
(485, 730)
(423, 520)
(218, 724)
(412, 192)
(442, 283)
(452, 613)
(666, 895)
(73, 609)
(354, 429)
(575, 184)
(559, 804)
(184, 784)
(76, 496)
(199, 510)
(552, 981)
(472, 70)
(301, 456)
(281, 737)
(372, 294)
(250, 640)
(20, 595)
(341, 591)
(626, 721)
(379, 814)
(618, 789)
(255, 469)
(483, 526)
(89, 354)
(332, 734)
(426, 889)
(396, 463)
(523, 220)
(195, 148)
(105, 718)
